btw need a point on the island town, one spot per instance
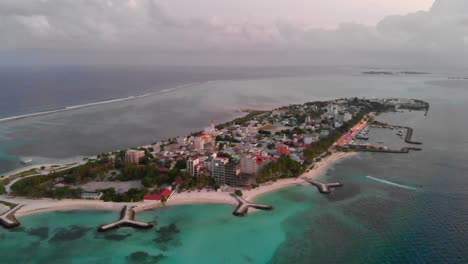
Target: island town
(231, 163)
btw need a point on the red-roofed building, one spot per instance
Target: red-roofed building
(162, 169)
(157, 197)
(283, 150)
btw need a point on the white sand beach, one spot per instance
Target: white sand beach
(194, 197)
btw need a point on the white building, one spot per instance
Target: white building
(91, 195)
(347, 117)
(193, 164)
(134, 156)
(182, 141)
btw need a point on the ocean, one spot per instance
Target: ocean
(408, 208)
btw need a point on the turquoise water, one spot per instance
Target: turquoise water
(364, 222)
(207, 233)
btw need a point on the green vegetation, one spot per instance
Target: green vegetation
(6, 203)
(2, 187)
(323, 145)
(43, 186)
(284, 167)
(27, 173)
(132, 195)
(242, 120)
(238, 193)
(188, 182)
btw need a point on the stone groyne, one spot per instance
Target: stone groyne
(244, 206)
(127, 219)
(8, 219)
(324, 188)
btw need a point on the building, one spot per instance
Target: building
(134, 156)
(200, 141)
(194, 166)
(91, 195)
(309, 139)
(158, 197)
(332, 109)
(347, 117)
(182, 141)
(218, 169)
(324, 134)
(229, 172)
(282, 149)
(253, 164)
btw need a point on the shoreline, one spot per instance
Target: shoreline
(185, 198)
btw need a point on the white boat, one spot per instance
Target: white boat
(28, 161)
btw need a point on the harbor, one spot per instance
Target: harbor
(383, 139)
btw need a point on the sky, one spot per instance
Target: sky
(234, 32)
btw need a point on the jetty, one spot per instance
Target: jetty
(409, 135)
(324, 188)
(404, 150)
(8, 219)
(127, 219)
(244, 206)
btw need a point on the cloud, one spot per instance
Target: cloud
(142, 30)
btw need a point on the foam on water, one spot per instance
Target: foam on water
(393, 183)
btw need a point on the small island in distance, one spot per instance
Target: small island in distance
(394, 72)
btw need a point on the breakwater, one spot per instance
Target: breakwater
(324, 188)
(409, 135)
(404, 150)
(127, 219)
(244, 206)
(8, 219)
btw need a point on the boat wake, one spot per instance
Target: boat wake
(75, 107)
(393, 183)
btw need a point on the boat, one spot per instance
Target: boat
(363, 137)
(25, 162)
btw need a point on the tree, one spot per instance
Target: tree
(238, 192)
(271, 146)
(163, 200)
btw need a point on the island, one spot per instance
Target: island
(394, 72)
(230, 163)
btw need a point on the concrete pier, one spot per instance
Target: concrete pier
(8, 219)
(244, 206)
(324, 188)
(404, 150)
(409, 135)
(127, 219)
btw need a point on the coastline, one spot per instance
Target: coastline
(184, 198)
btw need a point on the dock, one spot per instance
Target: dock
(404, 150)
(8, 219)
(324, 188)
(409, 135)
(127, 219)
(244, 206)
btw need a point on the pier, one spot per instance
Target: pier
(324, 188)
(244, 206)
(409, 135)
(8, 219)
(404, 150)
(127, 219)
(409, 131)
